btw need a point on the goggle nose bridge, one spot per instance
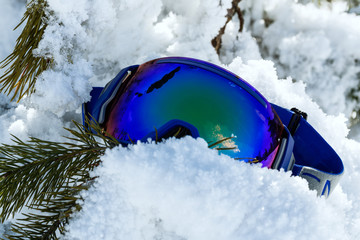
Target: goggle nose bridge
(174, 128)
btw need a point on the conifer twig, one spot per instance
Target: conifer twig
(48, 177)
(216, 41)
(23, 67)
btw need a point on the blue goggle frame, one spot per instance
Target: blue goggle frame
(302, 149)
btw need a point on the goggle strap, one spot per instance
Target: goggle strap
(101, 97)
(106, 103)
(88, 106)
(324, 183)
(315, 159)
(285, 159)
(295, 120)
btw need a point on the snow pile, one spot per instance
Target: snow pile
(316, 45)
(181, 189)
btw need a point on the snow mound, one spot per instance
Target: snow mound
(183, 190)
(318, 46)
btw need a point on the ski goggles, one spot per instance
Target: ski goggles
(178, 96)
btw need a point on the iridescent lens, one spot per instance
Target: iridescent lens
(217, 106)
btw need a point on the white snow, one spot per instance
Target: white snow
(183, 190)
(180, 189)
(318, 46)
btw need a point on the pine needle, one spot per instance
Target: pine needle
(23, 67)
(47, 177)
(220, 141)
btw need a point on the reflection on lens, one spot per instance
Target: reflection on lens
(217, 106)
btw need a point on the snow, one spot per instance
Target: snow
(183, 190)
(307, 58)
(317, 46)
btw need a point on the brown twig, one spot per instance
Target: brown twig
(216, 41)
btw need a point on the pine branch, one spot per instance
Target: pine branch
(52, 216)
(23, 66)
(48, 177)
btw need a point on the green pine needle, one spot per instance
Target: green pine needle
(47, 177)
(23, 67)
(219, 142)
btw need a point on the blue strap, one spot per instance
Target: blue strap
(88, 107)
(310, 148)
(99, 95)
(315, 159)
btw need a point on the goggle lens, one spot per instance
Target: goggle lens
(218, 107)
